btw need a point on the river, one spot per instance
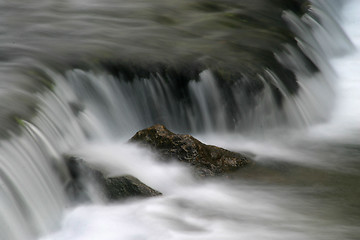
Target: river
(304, 183)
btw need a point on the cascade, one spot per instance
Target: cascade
(57, 109)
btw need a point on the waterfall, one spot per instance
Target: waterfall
(51, 106)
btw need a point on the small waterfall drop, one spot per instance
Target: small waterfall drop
(31, 167)
(82, 110)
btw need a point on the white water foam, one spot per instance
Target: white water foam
(229, 210)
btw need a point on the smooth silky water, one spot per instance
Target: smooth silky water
(304, 183)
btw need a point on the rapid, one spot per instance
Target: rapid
(305, 180)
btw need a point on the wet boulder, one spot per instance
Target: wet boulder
(83, 177)
(128, 186)
(208, 160)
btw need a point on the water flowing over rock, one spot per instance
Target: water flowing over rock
(84, 176)
(78, 74)
(208, 160)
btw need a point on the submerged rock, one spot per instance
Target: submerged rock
(208, 160)
(83, 176)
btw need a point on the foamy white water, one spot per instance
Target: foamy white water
(298, 190)
(238, 209)
(344, 123)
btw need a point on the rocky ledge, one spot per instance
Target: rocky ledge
(208, 160)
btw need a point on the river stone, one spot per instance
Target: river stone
(208, 160)
(113, 188)
(128, 186)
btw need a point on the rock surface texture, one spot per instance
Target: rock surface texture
(128, 186)
(208, 160)
(84, 176)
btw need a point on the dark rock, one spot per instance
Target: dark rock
(81, 177)
(76, 108)
(84, 176)
(128, 186)
(78, 169)
(208, 160)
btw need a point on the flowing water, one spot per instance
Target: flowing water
(304, 184)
